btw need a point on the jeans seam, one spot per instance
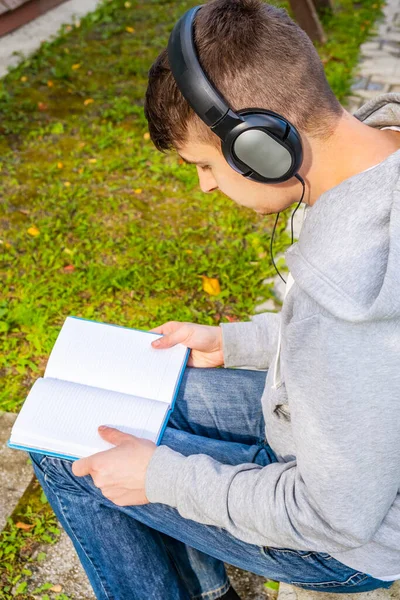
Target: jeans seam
(210, 595)
(78, 540)
(331, 583)
(288, 551)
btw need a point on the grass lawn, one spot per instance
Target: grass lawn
(94, 221)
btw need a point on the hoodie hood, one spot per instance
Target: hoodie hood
(347, 257)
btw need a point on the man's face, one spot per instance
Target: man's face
(215, 173)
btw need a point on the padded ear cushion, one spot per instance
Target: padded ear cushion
(264, 148)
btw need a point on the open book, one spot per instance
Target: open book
(99, 374)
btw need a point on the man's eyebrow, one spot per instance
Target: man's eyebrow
(192, 162)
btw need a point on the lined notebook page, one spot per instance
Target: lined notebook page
(64, 417)
(115, 358)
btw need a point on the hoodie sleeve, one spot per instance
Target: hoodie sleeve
(251, 344)
(345, 412)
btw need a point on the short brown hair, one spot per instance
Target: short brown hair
(256, 56)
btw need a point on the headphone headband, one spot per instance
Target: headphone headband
(189, 76)
(259, 144)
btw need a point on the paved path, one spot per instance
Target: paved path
(27, 39)
(379, 67)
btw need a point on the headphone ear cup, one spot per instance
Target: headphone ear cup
(264, 147)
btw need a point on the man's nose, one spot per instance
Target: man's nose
(207, 184)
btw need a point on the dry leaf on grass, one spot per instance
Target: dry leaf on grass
(33, 231)
(211, 285)
(24, 526)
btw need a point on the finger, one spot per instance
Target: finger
(82, 466)
(167, 327)
(159, 329)
(168, 340)
(114, 436)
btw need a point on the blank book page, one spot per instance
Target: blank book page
(115, 358)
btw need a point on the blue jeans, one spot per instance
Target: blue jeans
(150, 551)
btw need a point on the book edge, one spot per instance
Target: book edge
(175, 394)
(40, 451)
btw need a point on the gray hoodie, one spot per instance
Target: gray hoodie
(333, 415)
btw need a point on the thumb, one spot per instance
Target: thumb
(81, 467)
(114, 436)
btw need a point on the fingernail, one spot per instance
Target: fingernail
(103, 427)
(156, 343)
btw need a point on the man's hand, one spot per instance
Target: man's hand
(205, 342)
(120, 472)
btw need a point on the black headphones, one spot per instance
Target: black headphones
(257, 143)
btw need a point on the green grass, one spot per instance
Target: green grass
(124, 235)
(31, 526)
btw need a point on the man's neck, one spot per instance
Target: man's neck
(353, 148)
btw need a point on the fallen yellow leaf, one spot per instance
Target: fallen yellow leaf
(56, 588)
(138, 191)
(92, 160)
(67, 251)
(76, 66)
(80, 171)
(60, 165)
(129, 29)
(146, 136)
(88, 101)
(24, 526)
(24, 78)
(127, 5)
(34, 231)
(50, 83)
(211, 285)
(67, 183)
(81, 144)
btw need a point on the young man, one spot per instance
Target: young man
(304, 486)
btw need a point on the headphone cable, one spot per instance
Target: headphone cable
(271, 246)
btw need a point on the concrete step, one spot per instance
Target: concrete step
(15, 471)
(290, 592)
(61, 567)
